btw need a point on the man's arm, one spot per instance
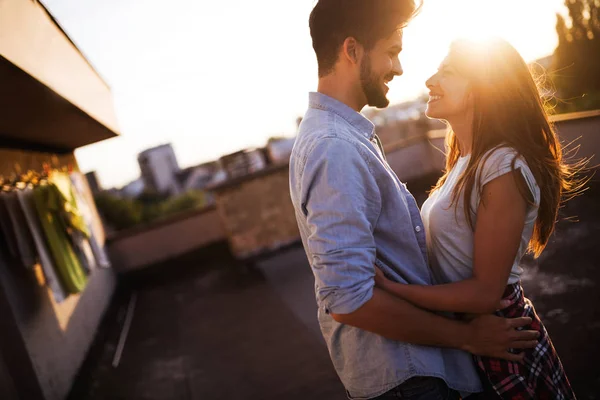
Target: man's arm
(342, 203)
(396, 319)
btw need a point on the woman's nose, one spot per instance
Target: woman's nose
(430, 83)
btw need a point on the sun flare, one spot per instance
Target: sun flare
(482, 22)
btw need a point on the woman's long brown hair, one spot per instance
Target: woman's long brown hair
(509, 111)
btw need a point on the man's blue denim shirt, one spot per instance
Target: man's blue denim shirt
(353, 213)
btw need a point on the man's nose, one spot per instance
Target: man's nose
(397, 68)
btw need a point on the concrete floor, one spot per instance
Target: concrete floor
(207, 327)
(216, 331)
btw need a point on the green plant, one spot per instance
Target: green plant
(117, 212)
(122, 213)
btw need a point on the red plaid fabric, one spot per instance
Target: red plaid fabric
(540, 376)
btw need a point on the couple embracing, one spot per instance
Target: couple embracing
(427, 304)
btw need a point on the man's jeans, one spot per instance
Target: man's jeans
(421, 388)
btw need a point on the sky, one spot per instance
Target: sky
(213, 77)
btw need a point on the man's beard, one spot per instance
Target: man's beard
(371, 85)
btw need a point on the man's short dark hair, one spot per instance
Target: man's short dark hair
(368, 21)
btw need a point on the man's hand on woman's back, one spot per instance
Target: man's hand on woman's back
(492, 336)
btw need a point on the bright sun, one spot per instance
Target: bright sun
(526, 24)
(483, 20)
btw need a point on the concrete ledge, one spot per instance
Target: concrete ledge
(159, 223)
(575, 115)
(258, 174)
(147, 245)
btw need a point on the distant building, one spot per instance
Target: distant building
(280, 149)
(402, 121)
(133, 189)
(244, 162)
(200, 176)
(93, 182)
(159, 169)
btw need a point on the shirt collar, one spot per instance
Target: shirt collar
(321, 101)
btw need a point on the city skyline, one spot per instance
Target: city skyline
(213, 78)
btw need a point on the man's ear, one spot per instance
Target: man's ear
(352, 50)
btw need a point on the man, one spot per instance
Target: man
(354, 213)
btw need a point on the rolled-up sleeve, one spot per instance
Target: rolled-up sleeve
(342, 203)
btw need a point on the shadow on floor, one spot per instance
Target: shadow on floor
(211, 328)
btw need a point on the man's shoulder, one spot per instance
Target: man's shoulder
(328, 143)
(320, 120)
(325, 129)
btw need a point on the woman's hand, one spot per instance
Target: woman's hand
(380, 279)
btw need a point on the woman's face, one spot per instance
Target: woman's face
(449, 94)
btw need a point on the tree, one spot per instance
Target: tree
(120, 213)
(187, 201)
(577, 58)
(117, 212)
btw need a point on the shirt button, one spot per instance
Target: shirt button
(418, 229)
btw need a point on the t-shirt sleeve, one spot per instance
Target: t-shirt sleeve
(500, 162)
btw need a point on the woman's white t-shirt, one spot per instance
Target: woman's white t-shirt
(449, 236)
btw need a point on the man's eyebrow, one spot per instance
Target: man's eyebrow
(396, 47)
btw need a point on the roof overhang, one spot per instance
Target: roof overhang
(50, 96)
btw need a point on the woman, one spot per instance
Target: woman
(498, 199)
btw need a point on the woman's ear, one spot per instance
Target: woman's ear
(470, 98)
(469, 102)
